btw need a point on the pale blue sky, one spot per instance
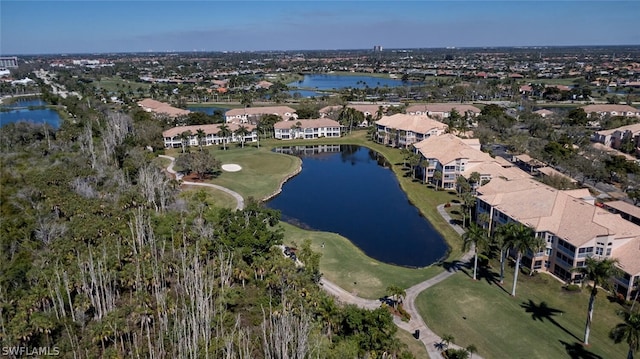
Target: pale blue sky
(42, 27)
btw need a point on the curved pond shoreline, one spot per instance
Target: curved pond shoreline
(350, 193)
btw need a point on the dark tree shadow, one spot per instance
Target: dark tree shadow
(542, 311)
(454, 266)
(577, 351)
(491, 277)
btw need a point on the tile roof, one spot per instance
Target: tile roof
(633, 128)
(560, 212)
(625, 207)
(447, 147)
(415, 123)
(610, 108)
(161, 107)
(628, 256)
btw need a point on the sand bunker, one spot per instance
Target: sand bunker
(231, 167)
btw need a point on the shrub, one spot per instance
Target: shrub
(572, 288)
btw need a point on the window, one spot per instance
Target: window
(599, 251)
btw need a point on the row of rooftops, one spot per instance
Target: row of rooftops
(569, 214)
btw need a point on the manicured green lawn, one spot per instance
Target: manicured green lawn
(262, 170)
(115, 84)
(501, 326)
(346, 265)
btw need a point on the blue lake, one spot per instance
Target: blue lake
(207, 110)
(330, 82)
(29, 111)
(349, 190)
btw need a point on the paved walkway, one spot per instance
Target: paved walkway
(427, 336)
(236, 195)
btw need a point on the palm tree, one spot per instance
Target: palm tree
(476, 236)
(600, 273)
(224, 132)
(414, 161)
(201, 137)
(500, 240)
(469, 203)
(397, 293)
(471, 349)
(447, 339)
(522, 240)
(474, 180)
(629, 331)
(241, 132)
(184, 138)
(437, 177)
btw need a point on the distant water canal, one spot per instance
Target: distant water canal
(348, 190)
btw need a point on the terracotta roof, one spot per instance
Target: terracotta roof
(633, 128)
(610, 108)
(560, 212)
(447, 148)
(548, 171)
(415, 123)
(211, 129)
(625, 207)
(317, 123)
(628, 256)
(161, 107)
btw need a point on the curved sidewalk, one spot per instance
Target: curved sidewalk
(430, 340)
(236, 195)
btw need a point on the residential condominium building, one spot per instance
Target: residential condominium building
(615, 137)
(452, 157)
(161, 108)
(572, 227)
(401, 130)
(253, 114)
(612, 110)
(443, 110)
(173, 137)
(307, 129)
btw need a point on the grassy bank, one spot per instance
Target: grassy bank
(542, 321)
(346, 265)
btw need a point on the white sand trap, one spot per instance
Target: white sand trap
(231, 167)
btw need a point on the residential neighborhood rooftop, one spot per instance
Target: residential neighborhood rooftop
(414, 123)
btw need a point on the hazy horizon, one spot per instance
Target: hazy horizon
(102, 27)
